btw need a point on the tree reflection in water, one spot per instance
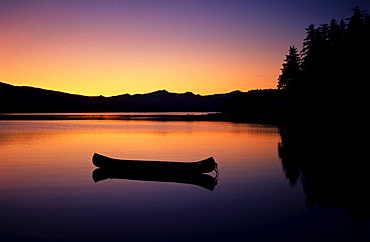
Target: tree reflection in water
(329, 158)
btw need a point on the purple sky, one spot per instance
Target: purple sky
(107, 47)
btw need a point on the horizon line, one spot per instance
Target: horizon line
(131, 94)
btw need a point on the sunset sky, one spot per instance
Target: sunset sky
(96, 47)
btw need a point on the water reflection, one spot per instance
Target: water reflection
(161, 171)
(328, 159)
(202, 180)
(46, 190)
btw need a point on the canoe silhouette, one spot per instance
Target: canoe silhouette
(158, 167)
(199, 179)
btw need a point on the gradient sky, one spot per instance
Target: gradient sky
(109, 47)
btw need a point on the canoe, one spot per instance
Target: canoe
(198, 179)
(158, 167)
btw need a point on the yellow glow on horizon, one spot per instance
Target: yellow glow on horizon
(109, 58)
(114, 77)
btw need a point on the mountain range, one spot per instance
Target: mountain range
(16, 99)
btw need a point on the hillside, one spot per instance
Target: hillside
(31, 99)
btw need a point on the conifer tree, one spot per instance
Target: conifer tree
(290, 73)
(334, 61)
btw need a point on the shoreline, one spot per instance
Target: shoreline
(159, 116)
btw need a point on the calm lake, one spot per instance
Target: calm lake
(266, 189)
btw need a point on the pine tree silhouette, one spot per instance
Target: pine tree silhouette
(334, 61)
(291, 71)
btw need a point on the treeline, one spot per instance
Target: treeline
(329, 75)
(333, 63)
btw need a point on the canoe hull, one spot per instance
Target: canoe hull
(160, 167)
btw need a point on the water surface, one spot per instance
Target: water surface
(47, 191)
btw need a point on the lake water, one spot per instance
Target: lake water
(263, 192)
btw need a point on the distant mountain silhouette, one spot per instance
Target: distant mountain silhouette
(31, 99)
(166, 101)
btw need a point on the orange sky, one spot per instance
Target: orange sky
(115, 47)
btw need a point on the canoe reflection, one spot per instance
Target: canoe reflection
(202, 180)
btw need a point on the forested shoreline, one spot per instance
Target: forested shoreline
(329, 72)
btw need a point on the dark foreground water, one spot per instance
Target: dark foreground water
(273, 183)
